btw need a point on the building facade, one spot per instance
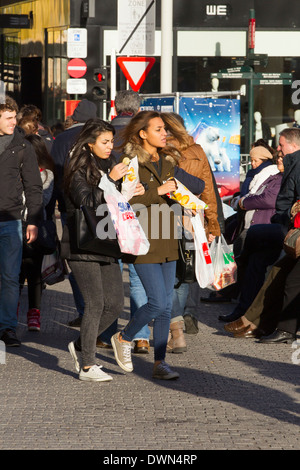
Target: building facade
(207, 37)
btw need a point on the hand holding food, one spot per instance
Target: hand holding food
(118, 171)
(126, 161)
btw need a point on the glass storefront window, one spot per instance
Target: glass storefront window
(274, 102)
(56, 75)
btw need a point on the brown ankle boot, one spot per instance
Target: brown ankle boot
(170, 343)
(177, 342)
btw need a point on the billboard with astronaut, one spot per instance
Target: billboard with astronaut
(215, 125)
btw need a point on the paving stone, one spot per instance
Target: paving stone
(232, 394)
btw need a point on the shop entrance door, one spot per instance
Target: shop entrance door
(31, 81)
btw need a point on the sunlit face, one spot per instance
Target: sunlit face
(7, 122)
(255, 162)
(103, 146)
(155, 136)
(285, 147)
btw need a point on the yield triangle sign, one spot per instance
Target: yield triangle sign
(136, 69)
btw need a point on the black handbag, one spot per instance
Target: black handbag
(86, 222)
(185, 266)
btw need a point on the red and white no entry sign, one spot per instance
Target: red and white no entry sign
(76, 68)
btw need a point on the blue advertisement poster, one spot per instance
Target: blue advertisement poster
(160, 104)
(215, 125)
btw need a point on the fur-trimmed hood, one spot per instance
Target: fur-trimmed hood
(133, 150)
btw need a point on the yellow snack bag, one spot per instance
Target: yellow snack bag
(131, 179)
(186, 198)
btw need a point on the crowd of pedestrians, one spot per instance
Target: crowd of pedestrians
(61, 168)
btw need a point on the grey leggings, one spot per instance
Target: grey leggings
(101, 286)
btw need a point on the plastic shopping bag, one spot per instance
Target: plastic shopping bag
(53, 268)
(203, 267)
(131, 237)
(225, 268)
(131, 179)
(186, 198)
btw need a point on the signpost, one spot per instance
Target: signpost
(136, 31)
(244, 71)
(76, 51)
(15, 21)
(76, 68)
(258, 78)
(247, 73)
(76, 86)
(136, 69)
(77, 43)
(136, 27)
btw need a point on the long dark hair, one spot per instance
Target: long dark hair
(44, 158)
(80, 156)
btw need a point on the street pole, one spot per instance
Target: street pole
(250, 50)
(113, 81)
(166, 60)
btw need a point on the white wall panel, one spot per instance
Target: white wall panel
(211, 43)
(222, 43)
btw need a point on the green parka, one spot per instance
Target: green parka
(155, 212)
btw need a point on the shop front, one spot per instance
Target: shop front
(208, 37)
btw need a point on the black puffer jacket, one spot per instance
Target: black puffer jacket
(82, 193)
(20, 172)
(289, 189)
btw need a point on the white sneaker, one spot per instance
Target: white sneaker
(122, 350)
(94, 374)
(76, 355)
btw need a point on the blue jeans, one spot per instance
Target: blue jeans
(179, 300)
(158, 281)
(193, 299)
(11, 243)
(137, 299)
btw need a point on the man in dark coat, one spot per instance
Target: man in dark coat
(127, 105)
(19, 175)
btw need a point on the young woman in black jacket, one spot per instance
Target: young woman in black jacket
(99, 277)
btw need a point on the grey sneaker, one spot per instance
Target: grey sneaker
(76, 355)
(94, 374)
(122, 350)
(164, 372)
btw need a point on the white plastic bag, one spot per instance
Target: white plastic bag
(131, 237)
(228, 211)
(203, 267)
(131, 179)
(225, 268)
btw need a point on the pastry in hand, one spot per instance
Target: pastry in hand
(126, 161)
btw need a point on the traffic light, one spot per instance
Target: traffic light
(100, 77)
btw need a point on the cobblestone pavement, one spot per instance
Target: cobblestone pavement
(232, 393)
